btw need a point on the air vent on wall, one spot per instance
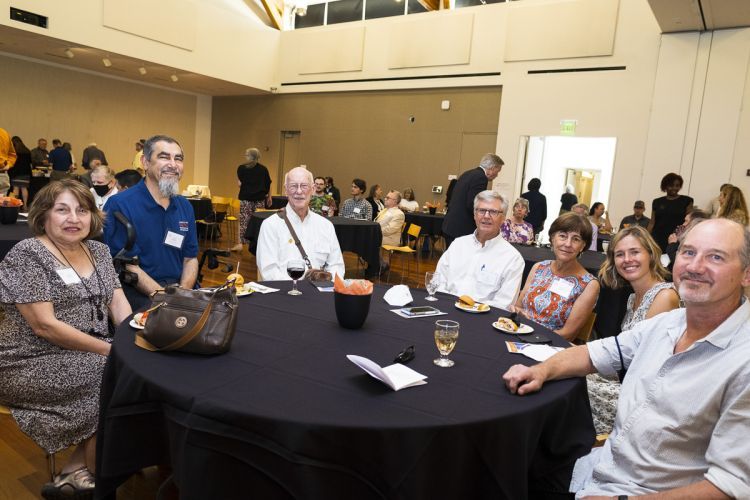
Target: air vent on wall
(28, 17)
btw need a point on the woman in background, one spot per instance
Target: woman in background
(599, 216)
(632, 257)
(376, 200)
(255, 190)
(568, 199)
(20, 174)
(669, 211)
(560, 294)
(732, 204)
(408, 202)
(515, 229)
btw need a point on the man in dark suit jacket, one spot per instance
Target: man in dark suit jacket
(459, 221)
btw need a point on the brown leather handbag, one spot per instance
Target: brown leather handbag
(190, 320)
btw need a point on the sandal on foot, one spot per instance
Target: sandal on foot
(78, 485)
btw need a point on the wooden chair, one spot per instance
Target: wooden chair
(412, 236)
(585, 332)
(4, 410)
(233, 221)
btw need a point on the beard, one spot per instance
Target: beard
(169, 187)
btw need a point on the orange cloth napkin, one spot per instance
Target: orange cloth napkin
(352, 287)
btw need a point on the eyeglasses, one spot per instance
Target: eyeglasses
(297, 187)
(487, 211)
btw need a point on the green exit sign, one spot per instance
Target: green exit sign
(568, 127)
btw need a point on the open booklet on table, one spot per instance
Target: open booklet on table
(395, 376)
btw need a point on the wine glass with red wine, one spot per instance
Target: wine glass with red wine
(295, 268)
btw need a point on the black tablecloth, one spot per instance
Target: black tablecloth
(11, 234)
(35, 184)
(202, 207)
(361, 237)
(612, 304)
(284, 414)
(431, 224)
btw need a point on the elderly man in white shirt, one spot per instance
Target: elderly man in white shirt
(483, 265)
(316, 234)
(684, 408)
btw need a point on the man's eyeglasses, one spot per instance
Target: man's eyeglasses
(487, 211)
(297, 187)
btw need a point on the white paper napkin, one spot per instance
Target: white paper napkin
(398, 295)
(257, 287)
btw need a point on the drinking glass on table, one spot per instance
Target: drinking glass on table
(446, 336)
(605, 245)
(431, 283)
(295, 268)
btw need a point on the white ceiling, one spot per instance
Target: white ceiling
(23, 43)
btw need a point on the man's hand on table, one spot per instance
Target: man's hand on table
(521, 380)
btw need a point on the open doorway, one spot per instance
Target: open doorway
(289, 156)
(585, 163)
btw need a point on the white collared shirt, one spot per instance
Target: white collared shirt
(490, 274)
(681, 418)
(276, 246)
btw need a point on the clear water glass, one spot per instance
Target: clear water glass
(431, 283)
(446, 336)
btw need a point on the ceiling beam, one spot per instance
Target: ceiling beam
(273, 13)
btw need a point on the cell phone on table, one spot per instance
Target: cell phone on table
(535, 338)
(321, 284)
(419, 311)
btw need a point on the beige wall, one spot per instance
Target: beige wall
(39, 100)
(356, 134)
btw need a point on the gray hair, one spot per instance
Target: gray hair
(744, 249)
(109, 174)
(253, 155)
(148, 146)
(398, 196)
(521, 201)
(580, 205)
(490, 196)
(490, 160)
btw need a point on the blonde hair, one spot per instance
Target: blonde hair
(733, 200)
(608, 272)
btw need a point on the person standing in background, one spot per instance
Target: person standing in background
(668, 212)
(61, 161)
(20, 174)
(40, 155)
(255, 190)
(537, 205)
(90, 153)
(568, 199)
(333, 191)
(459, 220)
(67, 147)
(7, 160)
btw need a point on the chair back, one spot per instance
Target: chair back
(414, 230)
(585, 332)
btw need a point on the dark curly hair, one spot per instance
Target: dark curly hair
(670, 178)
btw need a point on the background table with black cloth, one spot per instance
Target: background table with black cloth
(202, 207)
(35, 184)
(278, 202)
(10, 234)
(431, 225)
(359, 236)
(611, 305)
(284, 414)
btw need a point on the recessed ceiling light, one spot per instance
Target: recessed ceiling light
(106, 62)
(174, 78)
(142, 70)
(69, 53)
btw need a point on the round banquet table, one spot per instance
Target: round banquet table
(284, 414)
(431, 224)
(10, 234)
(358, 236)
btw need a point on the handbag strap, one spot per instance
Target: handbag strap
(282, 214)
(185, 339)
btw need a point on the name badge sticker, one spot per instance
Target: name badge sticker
(69, 276)
(325, 208)
(356, 210)
(174, 239)
(561, 287)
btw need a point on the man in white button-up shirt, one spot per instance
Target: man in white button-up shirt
(683, 416)
(483, 265)
(276, 245)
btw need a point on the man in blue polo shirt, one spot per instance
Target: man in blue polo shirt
(164, 221)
